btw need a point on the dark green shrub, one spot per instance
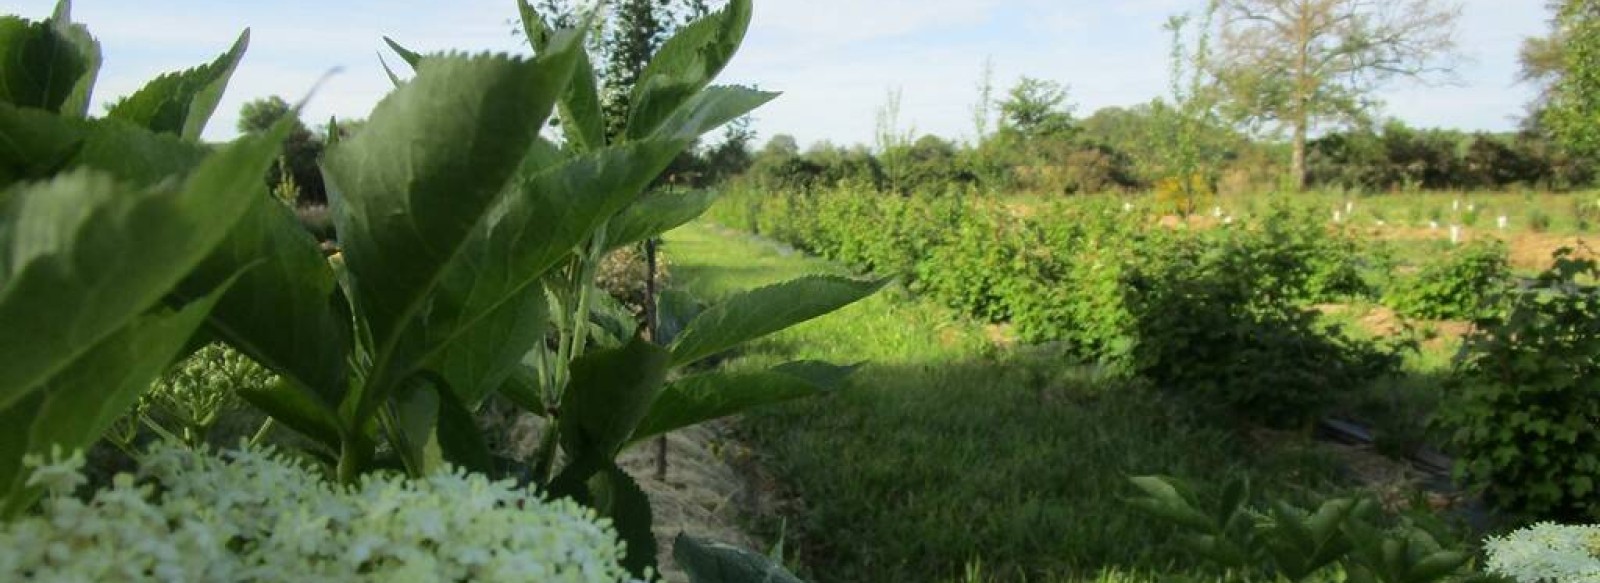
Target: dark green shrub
(1523, 411)
(1217, 319)
(1457, 285)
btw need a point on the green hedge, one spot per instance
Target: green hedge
(1219, 311)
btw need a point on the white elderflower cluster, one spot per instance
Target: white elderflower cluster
(253, 515)
(1547, 553)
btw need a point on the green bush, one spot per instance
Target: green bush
(1457, 285)
(1523, 411)
(1219, 312)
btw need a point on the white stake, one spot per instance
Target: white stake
(1503, 222)
(1455, 205)
(1455, 234)
(1433, 225)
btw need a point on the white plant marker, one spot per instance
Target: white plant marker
(1228, 220)
(1380, 222)
(1455, 205)
(1127, 207)
(1216, 211)
(1433, 225)
(1503, 221)
(1455, 234)
(1472, 207)
(1349, 207)
(1338, 217)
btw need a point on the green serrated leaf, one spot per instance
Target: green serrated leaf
(42, 67)
(704, 397)
(615, 495)
(686, 63)
(657, 213)
(711, 562)
(610, 395)
(84, 255)
(77, 102)
(76, 405)
(762, 311)
(409, 191)
(182, 103)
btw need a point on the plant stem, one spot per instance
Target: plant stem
(261, 434)
(353, 457)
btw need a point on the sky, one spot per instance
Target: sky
(834, 60)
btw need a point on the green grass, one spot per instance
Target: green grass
(947, 453)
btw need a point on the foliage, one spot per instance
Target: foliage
(470, 246)
(1547, 552)
(99, 221)
(1522, 407)
(1573, 106)
(189, 401)
(301, 150)
(257, 515)
(1288, 543)
(1219, 313)
(1457, 285)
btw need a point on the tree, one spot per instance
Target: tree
(302, 151)
(1295, 63)
(1569, 60)
(1036, 108)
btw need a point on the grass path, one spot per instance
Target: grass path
(946, 453)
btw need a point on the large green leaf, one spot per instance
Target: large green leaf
(297, 408)
(36, 145)
(483, 359)
(610, 395)
(765, 310)
(75, 406)
(84, 255)
(182, 103)
(704, 397)
(287, 311)
(656, 214)
(39, 67)
(409, 190)
(709, 109)
(77, 103)
(712, 562)
(614, 494)
(582, 119)
(686, 63)
(550, 211)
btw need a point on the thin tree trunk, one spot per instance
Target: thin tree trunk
(1297, 165)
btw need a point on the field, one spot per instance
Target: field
(957, 418)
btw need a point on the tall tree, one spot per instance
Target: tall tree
(1036, 108)
(1567, 65)
(1295, 63)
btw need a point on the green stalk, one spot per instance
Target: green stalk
(353, 457)
(261, 434)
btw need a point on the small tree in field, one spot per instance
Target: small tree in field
(1293, 63)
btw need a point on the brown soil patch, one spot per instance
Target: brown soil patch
(713, 483)
(1528, 251)
(1003, 335)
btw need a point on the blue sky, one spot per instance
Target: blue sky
(834, 59)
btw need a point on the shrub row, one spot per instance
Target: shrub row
(1219, 310)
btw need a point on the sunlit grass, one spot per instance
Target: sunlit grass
(947, 452)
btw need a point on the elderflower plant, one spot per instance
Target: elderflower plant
(258, 516)
(1547, 553)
